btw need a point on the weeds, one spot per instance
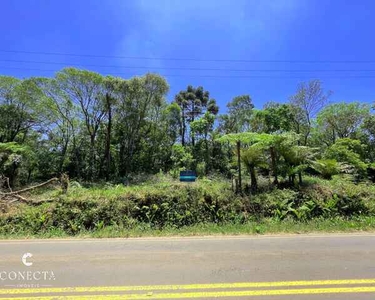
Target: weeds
(167, 206)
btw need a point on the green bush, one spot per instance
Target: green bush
(326, 167)
(350, 153)
(170, 204)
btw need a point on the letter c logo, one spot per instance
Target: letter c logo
(24, 259)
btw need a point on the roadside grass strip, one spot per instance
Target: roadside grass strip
(186, 291)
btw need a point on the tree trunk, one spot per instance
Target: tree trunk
(192, 120)
(305, 138)
(12, 175)
(108, 141)
(292, 178)
(92, 157)
(254, 182)
(239, 166)
(183, 128)
(274, 167)
(300, 177)
(207, 155)
(300, 173)
(122, 160)
(63, 155)
(29, 172)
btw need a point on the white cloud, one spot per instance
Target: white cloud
(203, 29)
(165, 25)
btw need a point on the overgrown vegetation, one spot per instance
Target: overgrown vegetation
(299, 161)
(162, 203)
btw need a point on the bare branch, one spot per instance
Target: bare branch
(30, 188)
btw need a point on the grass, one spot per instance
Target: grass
(162, 206)
(266, 226)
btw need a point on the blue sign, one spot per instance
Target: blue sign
(188, 176)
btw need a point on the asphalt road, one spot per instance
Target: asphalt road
(265, 267)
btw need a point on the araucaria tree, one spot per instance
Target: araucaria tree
(193, 103)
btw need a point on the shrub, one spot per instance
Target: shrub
(350, 153)
(170, 204)
(326, 167)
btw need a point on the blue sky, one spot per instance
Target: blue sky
(302, 30)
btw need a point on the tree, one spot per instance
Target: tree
(12, 157)
(94, 127)
(203, 127)
(368, 135)
(253, 157)
(237, 140)
(341, 120)
(297, 159)
(227, 124)
(240, 111)
(193, 103)
(111, 87)
(241, 140)
(86, 90)
(18, 108)
(274, 117)
(173, 121)
(272, 143)
(60, 119)
(181, 159)
(141, 101)
(306, 103)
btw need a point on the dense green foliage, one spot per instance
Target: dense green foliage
(100, 129)
(97, 128)
(160, 202)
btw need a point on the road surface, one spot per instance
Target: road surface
(259, 267)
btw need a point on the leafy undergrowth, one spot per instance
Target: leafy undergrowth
(265, 226)
(164, 207)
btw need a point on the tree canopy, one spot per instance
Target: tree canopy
(96, 127)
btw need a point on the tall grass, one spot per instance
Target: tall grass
(163, 206)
